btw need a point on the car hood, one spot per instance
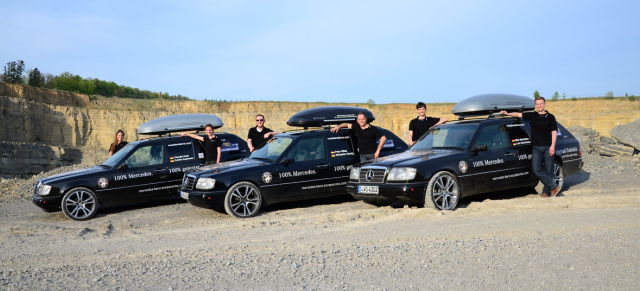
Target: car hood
(75, 174)
(411, 157)
(237, 165)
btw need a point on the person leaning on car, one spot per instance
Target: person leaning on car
(421, 124)
(367, 135)
(543, 140)
(259, 133)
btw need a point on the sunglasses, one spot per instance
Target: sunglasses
(258, 120)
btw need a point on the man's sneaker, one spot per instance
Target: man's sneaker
(544, 195)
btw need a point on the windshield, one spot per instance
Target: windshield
(451, 136)
(272, 149)
(117, 157)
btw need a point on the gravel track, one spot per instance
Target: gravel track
(585, 239)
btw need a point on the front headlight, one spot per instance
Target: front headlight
(401, 174)
(354, 174)
(205, 183)
(44, 190)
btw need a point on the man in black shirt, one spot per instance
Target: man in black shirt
(367, 135)
(421, 124)
(543, 140)
(259, 134)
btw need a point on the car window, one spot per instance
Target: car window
(229, 143)
(454, 136)
(272, 149)
(118, 156)
(310, 149)
(180, 150)
(518, 135)
(493, 136)
(340, 146)
(145, 156)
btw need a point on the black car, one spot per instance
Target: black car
(463, 158)
(144, 170)
(291, 166)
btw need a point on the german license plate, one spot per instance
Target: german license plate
(184, 195)
(368, 189)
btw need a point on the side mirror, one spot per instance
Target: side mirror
(479, 148)
(287, 160)
(123, 167)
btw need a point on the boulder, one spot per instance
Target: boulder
(628, 134)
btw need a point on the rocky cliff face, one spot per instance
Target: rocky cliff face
(69, 120)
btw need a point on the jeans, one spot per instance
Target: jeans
(542, 164)
(364, 158)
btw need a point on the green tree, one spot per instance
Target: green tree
(13, 72)
(536, 94)
(564, 96)
(36, 79)
(555, 96)
(609, 95)
(371, 102)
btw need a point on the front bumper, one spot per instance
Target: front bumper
(214, 199)
(390, 193)
(47, 203)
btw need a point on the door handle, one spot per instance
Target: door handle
(322, 166)
(509, 154)
(161, 170)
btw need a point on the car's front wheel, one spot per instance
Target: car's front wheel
(243, 200)
(80, 204)
(442, 192)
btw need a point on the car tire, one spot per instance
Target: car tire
(558, 177)
(243, 200)
(79, 204)
(443, 192)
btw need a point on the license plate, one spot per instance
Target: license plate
(368, 189)
(184, 195)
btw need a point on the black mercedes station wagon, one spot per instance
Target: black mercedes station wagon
(144, 170)
(457, 159)
(291, 166)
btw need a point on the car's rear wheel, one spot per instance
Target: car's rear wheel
(243, 200)
(80, 204)
(442, 192)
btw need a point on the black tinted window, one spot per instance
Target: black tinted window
(493, 136)
(339, 146)
(180, 151)
(518, 134)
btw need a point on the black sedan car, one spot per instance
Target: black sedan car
(291, 166)
(144, 170)
(463, 158)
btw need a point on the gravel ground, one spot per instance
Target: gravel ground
(584, 239)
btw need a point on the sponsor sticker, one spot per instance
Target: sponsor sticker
(267, 177)
(463, 166)
(103, 182)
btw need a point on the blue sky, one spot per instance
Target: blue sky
(334, 51)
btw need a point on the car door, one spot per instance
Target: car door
(305, 169)
(494, 167)
(142, 176)
(181, 157)
(521, 143)
(341, 159)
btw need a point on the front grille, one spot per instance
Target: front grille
(187, 182)
(372, 175)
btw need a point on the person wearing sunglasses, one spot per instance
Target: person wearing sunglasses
(259, 133)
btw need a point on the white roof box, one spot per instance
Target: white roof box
(327, 115)
(492, 103)
(180, 122)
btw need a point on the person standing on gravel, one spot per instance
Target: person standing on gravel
(367, 135)
(543, 140)
(421, 124)
(259, 133)
(118, 143)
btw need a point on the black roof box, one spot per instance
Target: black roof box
(327, 115)
(180, 122)
(492, 103)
